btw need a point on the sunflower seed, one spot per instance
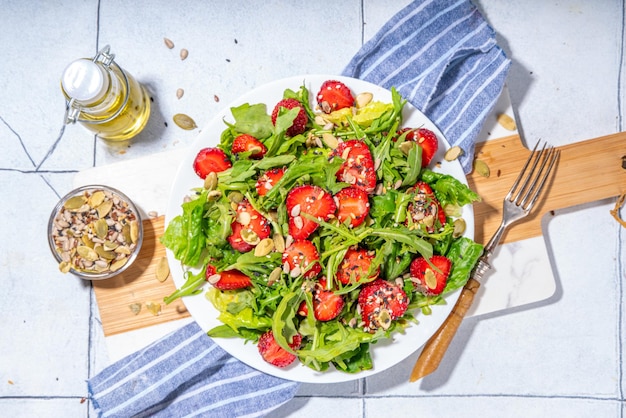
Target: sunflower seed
(184, 54)
(180, 93)
(168, 43)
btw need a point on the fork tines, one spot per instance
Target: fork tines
(541, 164)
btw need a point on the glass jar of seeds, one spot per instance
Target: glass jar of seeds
(95, 232)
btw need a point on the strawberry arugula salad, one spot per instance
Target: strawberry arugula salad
(321, 227)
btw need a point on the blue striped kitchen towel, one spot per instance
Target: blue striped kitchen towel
(185, 374)
(442, 56)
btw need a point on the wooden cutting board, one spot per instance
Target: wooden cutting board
(588, 171)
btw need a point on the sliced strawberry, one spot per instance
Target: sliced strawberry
(249, 223)
(312, 200)
(431, 281)
(299, 256)
(274, 353)
(327, 305)
(355, 266)
(358, 167)
(245, 142)
(268, 179)
(425, 209)
(426, 139)
(299, 123)
(353, 204)
(380, 303)
(210, 160)
(227, 280)
(334, 95)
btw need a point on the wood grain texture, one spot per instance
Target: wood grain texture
(138, 284)
(587, 171)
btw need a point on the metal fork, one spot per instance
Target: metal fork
(517, 204)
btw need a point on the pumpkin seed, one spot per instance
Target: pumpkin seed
(104, 208)
(459, 227)
(118, 264)
(236, 197)
(110, 245)
(453, 153)
(406, 146)
(210, 182)
(481, 168)
(122, 249)
(264, 247)
(249, 237)
(274, 276)
(135, 308)
(107, 255)
(64, 266)
(87, 253)
(184, 122)
(430, 279)
(134, 231)
(279, 242)
(154, 308)
(75, 203)
(96, 198)
(507, 122)
(87, 241)
(162, 270)
(101, 228)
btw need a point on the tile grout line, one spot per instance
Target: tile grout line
(620, 244)
(91, 358)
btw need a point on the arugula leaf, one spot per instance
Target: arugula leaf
(184, 234)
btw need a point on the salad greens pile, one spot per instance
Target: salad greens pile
(198, 236)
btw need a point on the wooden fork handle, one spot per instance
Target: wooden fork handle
(437, 345)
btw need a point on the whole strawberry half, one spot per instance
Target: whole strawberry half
(426, 139)
(312, 200)
(248, 228)
(268, 179)
(380, 303)
(210, 160)
(425, 209)
(334, 95)
(355, 266)
(273, 353)
(299, 123)
(300, 256)
(432, 277)
(245, 142)
(353, 205)
(358, 166)
(227, 280)
(327, 305)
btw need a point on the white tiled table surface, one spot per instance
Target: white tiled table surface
(559, 357)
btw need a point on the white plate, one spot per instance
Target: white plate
(384, 354)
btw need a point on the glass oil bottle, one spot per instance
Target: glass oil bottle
(104, 98)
